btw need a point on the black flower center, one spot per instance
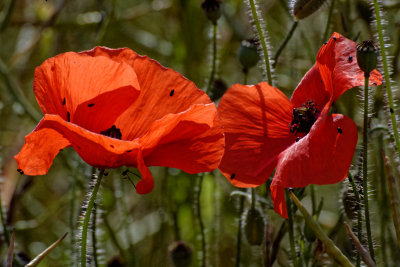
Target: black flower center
(304, 117)
(113, 132)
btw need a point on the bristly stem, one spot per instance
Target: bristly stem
(359, 218)
(262, 40)
(239, 234)
(4, 224)
(94, 238)
(365, 167)
(87, 214)
(330, 247)
(328, 22)
(214, 58)
(200, 218)
(291, 230)
(386, 74)
(284, 42)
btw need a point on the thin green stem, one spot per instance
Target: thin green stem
(359, 218)
(262, 40)
(386, 74)
(328, 22)
(291, 230)
(330, 247)
(87, 214)
(314, 208)
(94, 238)
(200, 219)
(214, 58)
(365, 167)
(4, 224)
(245, 75)
(239, 234)
(284, 42)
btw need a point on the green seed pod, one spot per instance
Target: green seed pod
(304, 8)
(248, 54)
(254, 226)
(308, 233)
(180, 254)
(218, 89)
(367, 56)
(212, 8)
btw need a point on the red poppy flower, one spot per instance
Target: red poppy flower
(264, 129)
(117, 108)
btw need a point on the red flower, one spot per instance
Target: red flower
(117, 108)
(306, 144)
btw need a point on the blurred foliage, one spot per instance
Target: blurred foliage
(139, 229)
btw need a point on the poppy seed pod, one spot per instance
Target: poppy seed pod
(181, 254)
(212, 8)
(254, 226)
(367, 56)
(304, 8)
(248, 54)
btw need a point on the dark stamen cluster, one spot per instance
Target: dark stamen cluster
(304, 117)
(113, 132)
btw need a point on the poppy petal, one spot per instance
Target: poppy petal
(97, 150)
(339, 55)
(256, 123)
(160, 87)
(100, 113)
(323, 156)
(336, 71)
(145, 185)
(192, 141)
(65, 81)
(278, 197)
(39, 151)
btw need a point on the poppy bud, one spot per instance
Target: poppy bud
(308, 233)
(304, 8)
(248, 54)
(218, 89)
(254, 226)
(367, 56)
(212, 9)
(181, 254)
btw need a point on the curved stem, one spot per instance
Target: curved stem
(87, 214)
(262, 40)
(214, 58)
(291, 230)
(284, 42)
(365, 167)
(386, 74)
(199, 217)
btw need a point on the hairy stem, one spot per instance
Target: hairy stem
(214, 58)
(87, 214)
(365, 168)
(386, 73)
(359, 218)
(291, 230)
(262, 40)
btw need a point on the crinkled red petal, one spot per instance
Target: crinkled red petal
(323, 156)
(65, 81)
(256, 123)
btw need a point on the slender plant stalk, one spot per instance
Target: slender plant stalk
(284, 42)
(393, 198)
(214, 58)
(94, 238)
(239, 234)
(361, 250)
(245, 75)
(365, 168)
(330, 247)
(262, 40)
(328, 22)
(359, 219)
(87, 214)
(386, 74)
(4, 224)
(200, 219)
(291, 230)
